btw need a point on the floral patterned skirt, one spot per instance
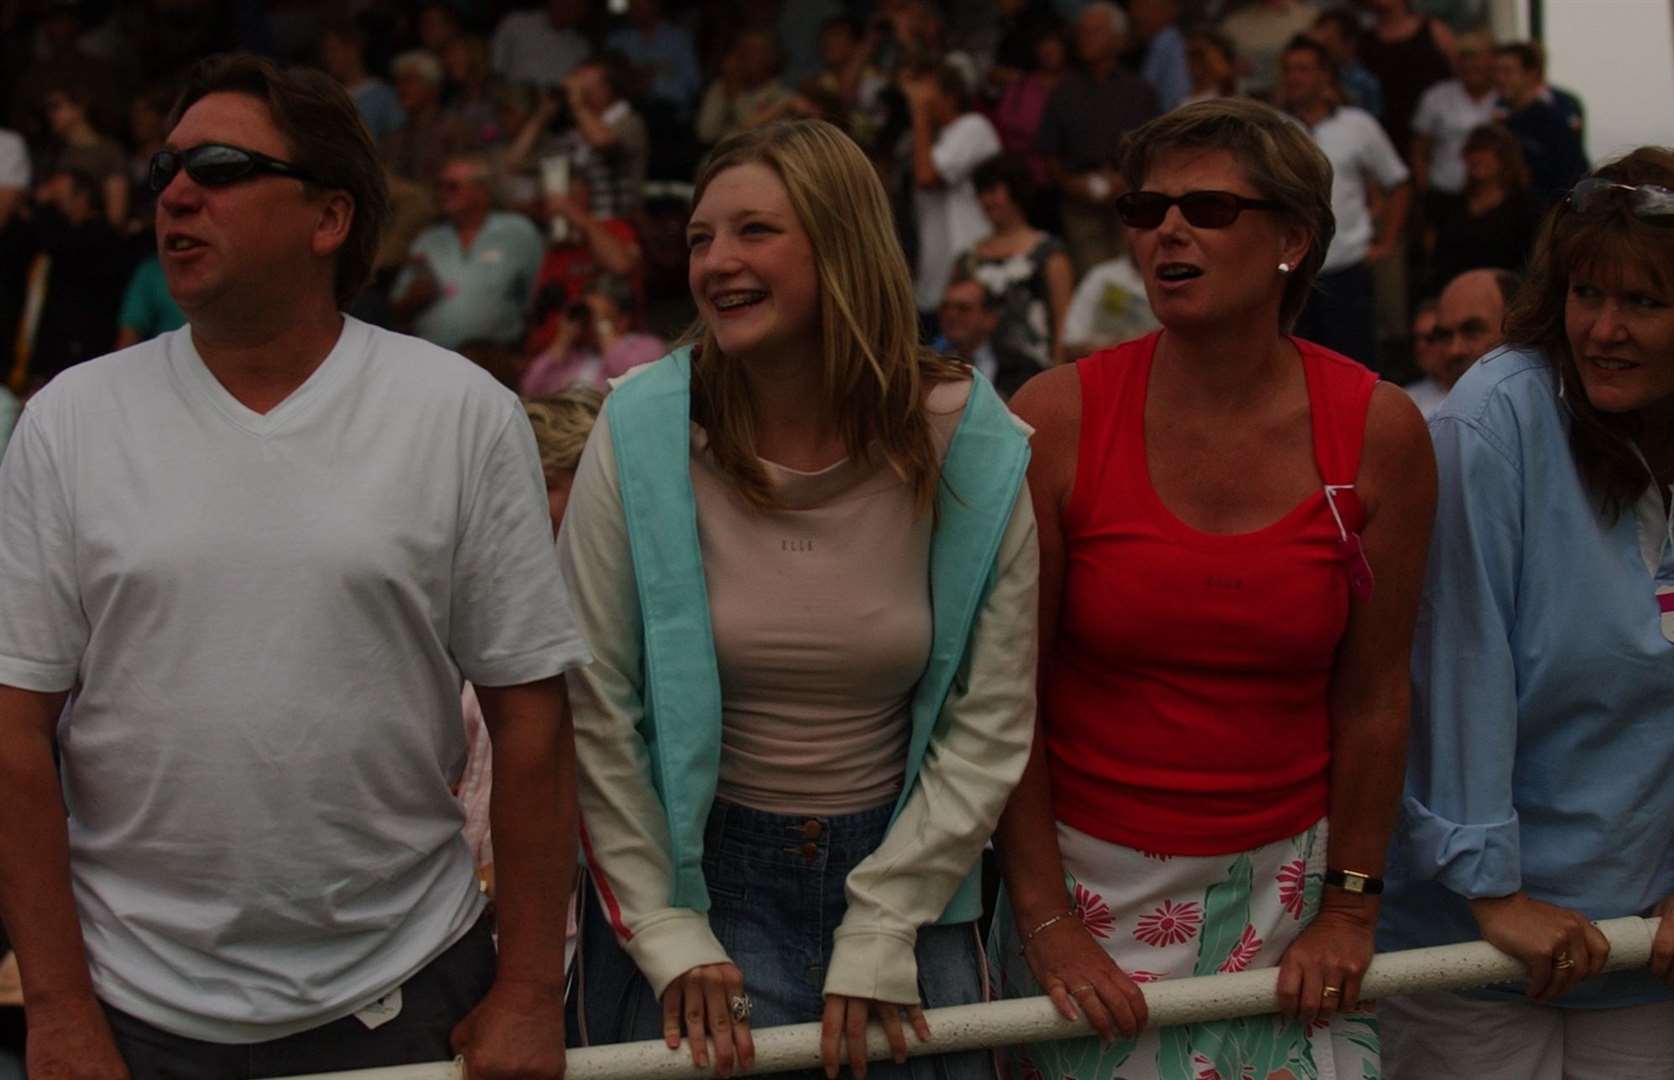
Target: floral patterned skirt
(1175, 916)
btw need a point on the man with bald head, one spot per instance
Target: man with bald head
(1470, 320)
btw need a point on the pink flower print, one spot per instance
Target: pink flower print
(1243, 952)
(1093, 912)
(1170, 924)
(1145, 976)
(1205, 1068)
(1292, 877)
(1029, 1070)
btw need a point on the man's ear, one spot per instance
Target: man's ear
(337, 215)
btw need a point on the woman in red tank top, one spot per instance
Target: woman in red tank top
(1219, 676)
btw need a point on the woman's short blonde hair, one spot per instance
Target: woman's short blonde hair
(1279, 158)
(875, 372)
(562, 422)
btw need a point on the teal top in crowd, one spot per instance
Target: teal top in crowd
(147, 307)
(982, 477)
(9, 410)
(1543, 707)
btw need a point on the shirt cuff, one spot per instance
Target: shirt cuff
(673, 944)
(1474, 861)
(35, 676)
(879, 965)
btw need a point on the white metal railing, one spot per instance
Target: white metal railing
(1028, 1020)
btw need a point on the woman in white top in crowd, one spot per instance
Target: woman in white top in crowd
(805, 557)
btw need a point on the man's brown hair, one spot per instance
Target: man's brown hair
(326, 139)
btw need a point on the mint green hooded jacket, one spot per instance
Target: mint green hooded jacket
(648, 710)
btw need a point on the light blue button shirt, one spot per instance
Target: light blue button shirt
(1543, 707)
(486, 290)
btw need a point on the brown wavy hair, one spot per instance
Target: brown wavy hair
(876, 373)
(1603, 443)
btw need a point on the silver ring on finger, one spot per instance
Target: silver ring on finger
(1081, 989)
(1330, 991)
(741, 1006)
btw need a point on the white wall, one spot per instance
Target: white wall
(1618, 55)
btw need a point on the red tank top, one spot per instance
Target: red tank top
(1185, 703)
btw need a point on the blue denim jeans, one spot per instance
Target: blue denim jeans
(776, 892)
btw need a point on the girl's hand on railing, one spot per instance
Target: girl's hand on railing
(1320, 972)
(1559, 946)
(702, 999)
(845, 1018)
(1081, 978)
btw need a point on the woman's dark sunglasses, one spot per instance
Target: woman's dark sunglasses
(1201, 209)
(1596, 196)
(216, 165)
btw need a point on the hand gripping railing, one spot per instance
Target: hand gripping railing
(1028, 1020)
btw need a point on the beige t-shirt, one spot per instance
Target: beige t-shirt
(822, 624)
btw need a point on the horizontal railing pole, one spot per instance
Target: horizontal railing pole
(1029, 1020)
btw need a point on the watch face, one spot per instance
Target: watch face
(1354, 883)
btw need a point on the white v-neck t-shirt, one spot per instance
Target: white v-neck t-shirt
(265, 620)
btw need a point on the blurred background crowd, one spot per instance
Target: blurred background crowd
(540, 159)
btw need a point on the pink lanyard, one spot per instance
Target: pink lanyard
(1350, 549)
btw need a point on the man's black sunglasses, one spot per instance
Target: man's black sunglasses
(1201, 209)
(216, 165)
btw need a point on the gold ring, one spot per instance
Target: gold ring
(1331, 990)
(1079, 989)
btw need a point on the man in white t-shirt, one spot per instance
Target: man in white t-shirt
(1340, 315)
(1446, 115)
(1109, 307)
(949, 140)
(246, 566)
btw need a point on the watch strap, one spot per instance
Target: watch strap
(1354, 881)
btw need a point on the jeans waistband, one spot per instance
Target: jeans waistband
(846, 837)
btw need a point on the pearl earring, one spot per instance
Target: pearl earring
(1284, 268)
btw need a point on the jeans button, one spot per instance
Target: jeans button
(812, 828)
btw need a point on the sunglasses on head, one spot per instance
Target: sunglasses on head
(216, 165)
(1596, 197)
(1201, 209)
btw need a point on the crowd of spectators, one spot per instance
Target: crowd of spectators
(539, 157)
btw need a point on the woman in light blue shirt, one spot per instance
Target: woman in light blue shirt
(1540, 791)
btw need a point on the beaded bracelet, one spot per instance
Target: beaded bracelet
(1032, 934)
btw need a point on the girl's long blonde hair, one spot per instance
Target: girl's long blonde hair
(875, 372)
